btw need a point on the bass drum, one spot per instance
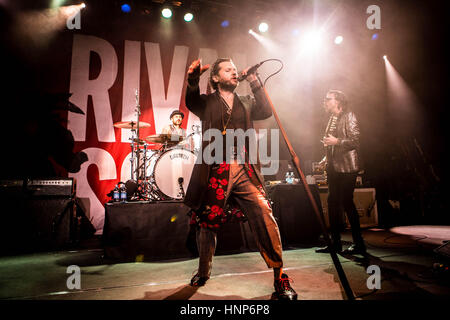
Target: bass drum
(172, 168)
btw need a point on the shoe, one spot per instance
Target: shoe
(283, 290)
(198, 281)
(355, 249)
(327, 249)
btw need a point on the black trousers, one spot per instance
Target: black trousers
(340, 198)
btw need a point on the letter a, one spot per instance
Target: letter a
(74, 21)
(374, 20)
(374, 281)
(74, 281)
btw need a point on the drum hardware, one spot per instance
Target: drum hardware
(139, 141)
(161, 167)
(180, 183)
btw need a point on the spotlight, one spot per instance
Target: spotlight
(312, 41)
(125, 7)
(250, 31)
(82, 5)
(338, 39)
(225, 23)
(188, 17)
(374, 36)
(263, 27)
(166, 13)
(385, 57)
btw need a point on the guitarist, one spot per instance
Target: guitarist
(342, 162)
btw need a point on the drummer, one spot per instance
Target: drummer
(175, 128)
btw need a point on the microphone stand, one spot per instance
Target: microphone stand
(295, 160)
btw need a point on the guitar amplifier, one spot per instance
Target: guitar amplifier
(51, 187)
(365, 203)
(37, 215)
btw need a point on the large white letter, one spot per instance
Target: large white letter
(131, 72)
(81, 87)
(106, 171)
(374, 21)
(163, 103)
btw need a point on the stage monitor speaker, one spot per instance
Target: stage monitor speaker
(36, 216)
(444, 250)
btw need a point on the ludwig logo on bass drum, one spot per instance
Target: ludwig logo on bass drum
(179, 155)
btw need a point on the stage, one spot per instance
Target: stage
(101, 86)
(405, 257)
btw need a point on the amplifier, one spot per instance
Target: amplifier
(366, 205)
(51, 187)
(37, 214)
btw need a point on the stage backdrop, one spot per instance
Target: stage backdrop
(114, 55)
(108, 71)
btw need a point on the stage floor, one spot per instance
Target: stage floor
(404, 254)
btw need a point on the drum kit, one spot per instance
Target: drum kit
(161, 164)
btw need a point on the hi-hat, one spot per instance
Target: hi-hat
(139, 141)
(164, 138)
(131, 125)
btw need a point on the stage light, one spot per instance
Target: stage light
(125, 7)
(188, 17)
(263, 27)
(166, 13)
(385, 57)
(338, 39)
(374, 36)
(312, 41)
(82, 5)
(225, 23)
(250, 31)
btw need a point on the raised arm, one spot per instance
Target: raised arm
(261, 108)
(195, 102)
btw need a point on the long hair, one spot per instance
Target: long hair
(215, 68)
(340, 96)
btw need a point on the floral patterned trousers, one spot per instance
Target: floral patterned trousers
(239, 189)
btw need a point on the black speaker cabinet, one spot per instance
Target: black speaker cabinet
(444, 250)
(293, 210)
(33, 222)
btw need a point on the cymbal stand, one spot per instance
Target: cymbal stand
(138, 114)
(133, 151)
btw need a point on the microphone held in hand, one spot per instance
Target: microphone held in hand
(242, 77)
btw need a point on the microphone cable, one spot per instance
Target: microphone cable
(276, 72)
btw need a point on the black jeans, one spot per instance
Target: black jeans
(340, 197)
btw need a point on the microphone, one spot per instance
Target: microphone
(242, 77)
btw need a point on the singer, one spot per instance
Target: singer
(223, 191)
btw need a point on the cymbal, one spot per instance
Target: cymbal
(139, 141)
(164, 138)
(131, 125)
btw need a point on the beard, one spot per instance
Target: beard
(228, 85)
